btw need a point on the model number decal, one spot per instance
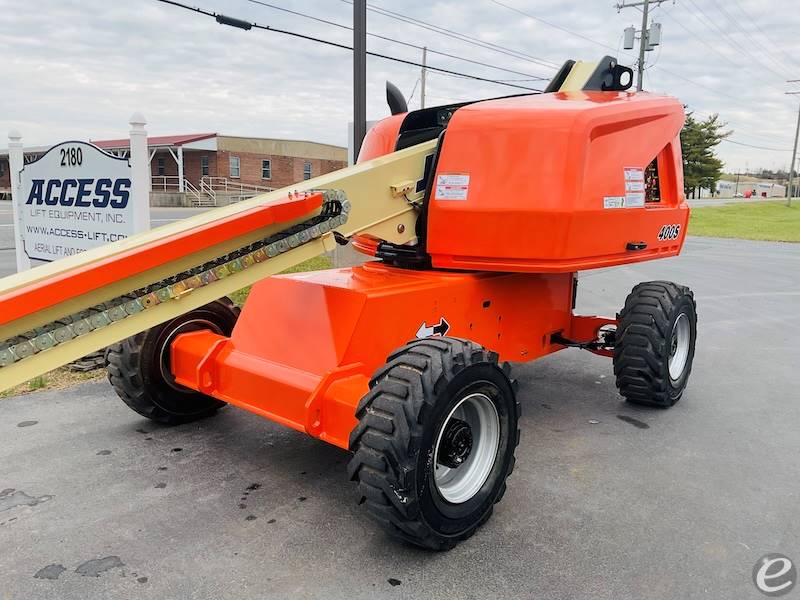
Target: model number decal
(669, 232)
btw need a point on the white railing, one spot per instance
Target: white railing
(172, 184)
(199, 197)
(165, 183)
(206, 193)
(231, 186)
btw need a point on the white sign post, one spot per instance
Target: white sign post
(74, 197)
(140, 173)
(15, 161)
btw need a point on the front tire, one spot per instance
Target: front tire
(138, 367)
(655, 342)
(435, 441)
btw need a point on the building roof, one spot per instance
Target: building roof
(283, 147)
(159, 140)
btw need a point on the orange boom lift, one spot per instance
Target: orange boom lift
(478, 217)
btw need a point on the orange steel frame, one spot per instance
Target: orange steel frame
(293, 362)
(543, 174)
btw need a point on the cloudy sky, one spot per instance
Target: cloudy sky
(78, 68)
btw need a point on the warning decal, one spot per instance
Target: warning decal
(452, 186)
(633, 173)
(614, 202)
(634, 199)
(634, 186)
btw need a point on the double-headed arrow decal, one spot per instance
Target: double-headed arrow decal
(441, 329)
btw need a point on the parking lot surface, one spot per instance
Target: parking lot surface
(608, 501)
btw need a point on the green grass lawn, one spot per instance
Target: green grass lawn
(312, 264)
(771, 221)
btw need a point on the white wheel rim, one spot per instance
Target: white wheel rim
(458, 484)
(679, 347)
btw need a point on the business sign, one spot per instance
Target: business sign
(73, 198)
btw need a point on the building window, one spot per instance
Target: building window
(234, 166)
(266, 169)
(203, 165)
(161, 165)
(307, 170)
(2, 168)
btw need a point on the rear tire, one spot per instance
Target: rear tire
(435, 441)
(655, 342)
(138, 367)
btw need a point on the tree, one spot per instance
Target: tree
(701, 167)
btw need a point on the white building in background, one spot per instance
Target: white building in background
(757, 189)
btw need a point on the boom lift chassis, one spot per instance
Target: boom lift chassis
(433, 427)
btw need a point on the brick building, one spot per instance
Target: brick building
(209, 164)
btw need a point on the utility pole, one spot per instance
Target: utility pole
(422, 76)
(794, 150)
(359, 75)
(648, 37)
(642, 45)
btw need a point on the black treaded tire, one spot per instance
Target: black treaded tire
(644, 342)
(135, 371)
(410, 400)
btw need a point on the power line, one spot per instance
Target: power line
(757, 26)
(406, 19)
(732, 40)
(518, 54)
(247, 25)
(242, 24)
(759, 138)
(598, 43)
(424, 25)
(700, 38)
(615, 49)
(514, 53)
(660, 67)
(767, 51)
(559, 27)
(730, 141)
(418, 23)
(401, 42)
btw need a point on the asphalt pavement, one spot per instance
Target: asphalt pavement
(608, 501)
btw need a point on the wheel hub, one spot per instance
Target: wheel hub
(165, 343)
(456, 444)
(466, 448)
(679, 347)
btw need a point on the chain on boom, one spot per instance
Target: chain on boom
(335, 210)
